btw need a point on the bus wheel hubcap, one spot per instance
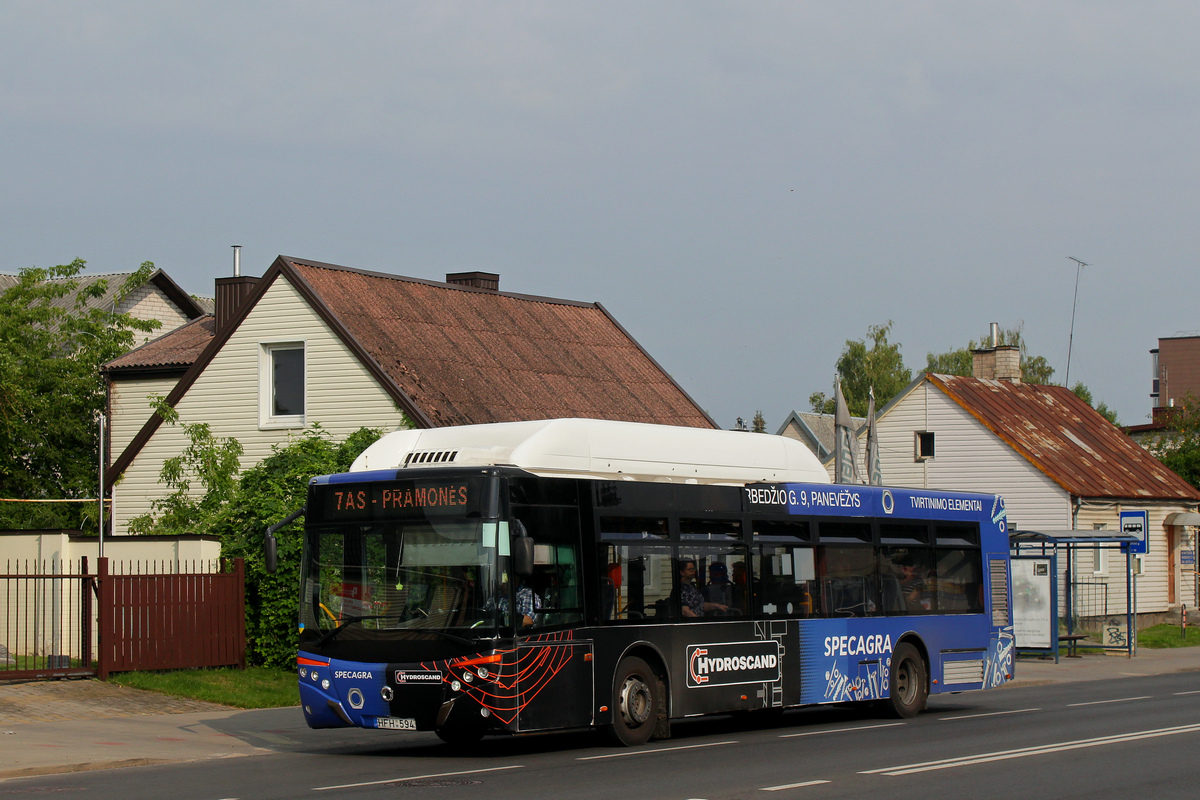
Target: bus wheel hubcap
(636, 701)
(904, 682)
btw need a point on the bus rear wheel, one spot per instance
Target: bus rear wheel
(907, 686)
(637, 701)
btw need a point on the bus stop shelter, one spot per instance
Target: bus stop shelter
(1036, 557)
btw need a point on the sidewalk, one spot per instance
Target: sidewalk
(75, 725)
(1033, 671)
(70, 726)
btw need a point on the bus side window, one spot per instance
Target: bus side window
(635, 583)
(959, 581)
(849, 580)
(784, 582)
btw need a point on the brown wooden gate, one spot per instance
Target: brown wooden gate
(59, 620)
(171, 621)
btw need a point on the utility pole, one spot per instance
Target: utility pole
(1071, 340)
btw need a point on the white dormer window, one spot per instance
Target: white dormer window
(281, 385)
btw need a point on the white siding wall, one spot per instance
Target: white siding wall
(148, 302)
(131, 409)
(1152, 584)
(341, 395)
(968, 457)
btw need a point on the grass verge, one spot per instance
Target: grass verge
(253, 687)
(1168, 636)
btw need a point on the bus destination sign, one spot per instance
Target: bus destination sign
(397, 499)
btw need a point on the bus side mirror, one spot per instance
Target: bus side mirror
(271, 553)
(270, 546)
(522, 556)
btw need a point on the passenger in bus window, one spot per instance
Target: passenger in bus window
(528, 603)
(692, 602)
(719, 590)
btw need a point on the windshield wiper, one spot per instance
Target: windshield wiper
(331, 635)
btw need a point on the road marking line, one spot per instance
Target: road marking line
(790, 786)
(1181, 693)
(989, 714)
(1102, 702)
(841, 730)
(414, 778)
(1003, 755)
(652, 752)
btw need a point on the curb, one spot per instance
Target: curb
(29, 772)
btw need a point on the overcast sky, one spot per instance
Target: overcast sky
(743, 185)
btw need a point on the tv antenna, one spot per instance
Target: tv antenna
(1071, 340)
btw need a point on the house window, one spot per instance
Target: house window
(1099, 559)
(281, 385)
(923, 445)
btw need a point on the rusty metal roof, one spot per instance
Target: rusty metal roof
(465, 355)
(175, 350)
(1066, 439)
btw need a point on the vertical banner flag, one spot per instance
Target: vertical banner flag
(874, 474)
(845, 442)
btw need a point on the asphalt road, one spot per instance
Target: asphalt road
(1125, 738)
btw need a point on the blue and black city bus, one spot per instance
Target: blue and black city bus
(571, 574)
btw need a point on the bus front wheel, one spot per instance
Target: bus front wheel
(637, 700)
(907, 688)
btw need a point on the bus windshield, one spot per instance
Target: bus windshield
(387, 580)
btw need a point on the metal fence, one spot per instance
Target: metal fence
(1089, 599)
(60, 620)
(47, 611)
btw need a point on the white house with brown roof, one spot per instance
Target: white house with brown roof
(312, 342)
(158, 298)
(1058, 464)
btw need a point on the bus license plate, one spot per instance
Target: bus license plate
(396, 723)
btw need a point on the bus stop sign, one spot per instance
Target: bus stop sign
(1134, 523)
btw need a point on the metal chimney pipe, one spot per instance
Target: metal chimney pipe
(237, 260)
(995, 329)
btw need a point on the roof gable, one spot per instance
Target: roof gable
(1066, 439)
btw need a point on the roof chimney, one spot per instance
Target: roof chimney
(1008, 363)
(1000, 362)
(488, 281)
(230, 292)
(983, 364)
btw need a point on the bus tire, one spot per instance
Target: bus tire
(637, 702)
(907, 686)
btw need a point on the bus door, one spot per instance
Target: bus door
(554, 682)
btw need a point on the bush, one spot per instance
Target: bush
(265, 494)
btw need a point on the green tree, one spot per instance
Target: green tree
(1034, 369)
(1085, 394)
(1179, 448)
(266, 494)
(873, 362)
(759, 423)
(52, 393)
(211, 461)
